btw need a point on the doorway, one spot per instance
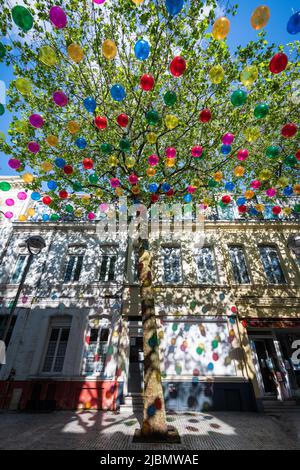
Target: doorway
(136, 365)
(267, 363)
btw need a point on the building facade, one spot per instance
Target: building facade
(227, 308)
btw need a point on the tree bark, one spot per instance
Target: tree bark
(154, 419)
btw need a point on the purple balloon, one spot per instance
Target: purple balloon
(14, 163)
(58, 17)
(33, 147)
(36, 121)
(227, 138)
(60, 99)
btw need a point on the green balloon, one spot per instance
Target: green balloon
(291, 160)
(297, 208)
(170, 98)
(152, 117)
(238, 97)
(69, 208)
(4, 186)
(261, 110)
(272, 151)
(214, 343)
(22, 17)
(93, 179)
(54, 217)
(2, 109)
(212, 183)
(199, 351)
(2, 50)
(106, 148)
(124, 145)
(77, 186)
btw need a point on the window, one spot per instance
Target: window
(56, 350)
(134, 264)
(107, 268)
(73, 268)
(206, 266)
(3, 322)
(239, 265)
(172, 265)
(271, 263)
(19, 269)
(96, 350)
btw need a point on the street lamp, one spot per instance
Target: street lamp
(294, 244)
(34, 244)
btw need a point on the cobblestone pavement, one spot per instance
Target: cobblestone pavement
(106, 431)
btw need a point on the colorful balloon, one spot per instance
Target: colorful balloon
(249, 75)
(2, 109)
(278, 63)
(137, 2)
(22, 17)
(242, 154)
(197, 151)
(221, 28)
(123, 120)
(261, 110)
(58, 17)
(109, 49)
(170, 152)
(238, 98)
(14, 163)
(227, 138)
(48, 56)
(60, 98)
(153, 160)
(171, 121)
(52, 140)
(205, 115)
(178, 66)
(152, 117)
(142, 49)
(2, 137)
(293, 26)
(124, 145)
(174, 6)
(75, 52)
(147, 82)
(251, 134)
(289, 130)
(216, 74)
(36, 121)
(24, 86)
(272, 151)
(101, 122)
(90, 104)
(170, 98)
(117, 92)
(260, 17)
(33, 147)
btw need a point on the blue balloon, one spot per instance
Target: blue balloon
(174, 6)
(225, 149)
(153, 187)
(253, 211)
(35, 196)
(293, 26)
(45, 217)
(90, 104)
(210, 366)
(52, 185)
(241, 201)
(288, 191)
(229, 186)
(188, 197)
(142, 49)
(81, 143)
(117, 92)
(165, 187)
(60, 162)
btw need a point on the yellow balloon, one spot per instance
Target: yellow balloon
(216, 74)
(112, 160)
(283, 181)
(221, 28)
(75, 52)
(296, 189)
(260, 207)
(150, 171)
(78, 213)
(137, 2)
(129, 162)
(21, 127)
(248, 75)
(265, 174)
(260, 17)
(196, 182)
(73, 127)
(27, 178)
(22, 218)
(85, 198)
(119, 191)
(47, 166)
(252, 134)
(135, 189)
(218, 176)
(249, 194)
(48, 56)
(171, 121)
(52, 140)
(109, 49)
(170, 162)
(24, 86)
(287, 210)
(151, 137)
(239, 171)
(31, 212)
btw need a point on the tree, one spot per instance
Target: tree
(157, 134)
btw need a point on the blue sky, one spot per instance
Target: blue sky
(241, 32)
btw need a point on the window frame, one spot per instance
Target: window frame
(216, 273)
(280, 263)
(178, 247)
(17, 282)
(60, 324)
(84, 361)
(110, 252)
(78, 257)
(235, 282)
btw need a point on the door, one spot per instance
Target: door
(136, 365)
(267, 362)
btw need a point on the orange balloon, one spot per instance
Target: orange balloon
(260, 17)
(221, 28)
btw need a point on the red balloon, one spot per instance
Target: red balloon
(47, 200)
(276, 210)
(123, 120)
(205, 115)
(226, 199)
(63, 194)
(170, 192)
(177, 66)
(68, 169)
(244, 323)
(242, 209)
(298, 155)
(215, 356)
(147, 82)
(278, 63)
(101, 122)
(88, 163)
(154, 197)
(289, 130)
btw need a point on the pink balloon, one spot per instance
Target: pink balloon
(227, 138)
(170, 152)
(197, 151)
(133, 179)
(36, 121)
(271, 192)
(22, 196)
(104, 207)
(58, 17)
(33, 147)
(8, 215)
(14, 163)
(60, 98)
(255, 184)
(191, 189)
(91, 216)
(153, 160)
(243, 154)
(99, 2)
(114, 182)
(9, 202)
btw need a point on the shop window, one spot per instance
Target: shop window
(239, 264)
(271, 264)
(172, 265)
(206, 265)
(19, 269)
(73, 268)
(56, 348)
(96, 351)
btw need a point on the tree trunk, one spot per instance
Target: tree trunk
(154, 420)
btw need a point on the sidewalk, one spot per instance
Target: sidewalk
(106, 431)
